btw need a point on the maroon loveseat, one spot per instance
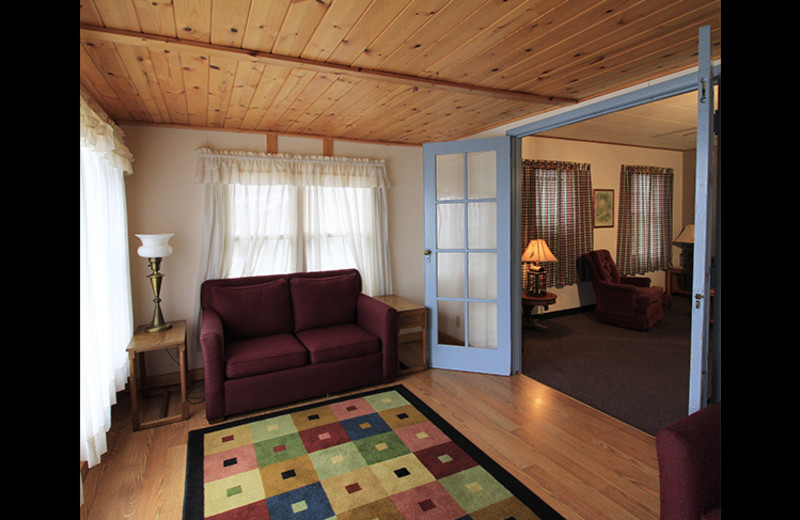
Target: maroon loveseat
(690, 466)
(271, 340)
(627, 301)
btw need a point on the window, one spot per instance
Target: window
(557, 207)
(342, 228)
(644, 234)
(264, 229)
(271, 214)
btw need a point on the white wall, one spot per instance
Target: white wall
(163, 197)
(605, 161)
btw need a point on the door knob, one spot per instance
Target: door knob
(427, 252)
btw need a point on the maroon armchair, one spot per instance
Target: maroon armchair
(689, 466)
(626, 301)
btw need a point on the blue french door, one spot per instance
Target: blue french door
(468, 268)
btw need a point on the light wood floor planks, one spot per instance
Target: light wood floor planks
(583, 463)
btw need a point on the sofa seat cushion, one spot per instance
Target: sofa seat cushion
(265, 354)
(339, 342)
(252, 311)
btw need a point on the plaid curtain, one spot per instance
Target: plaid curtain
(557, 207)
(644, 234)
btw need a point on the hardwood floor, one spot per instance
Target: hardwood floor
(585, 464)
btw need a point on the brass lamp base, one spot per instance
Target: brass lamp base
(158, 328)
(158, 324)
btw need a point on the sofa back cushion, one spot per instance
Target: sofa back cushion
(326, 301)
(251, 311)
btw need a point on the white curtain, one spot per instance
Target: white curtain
(278, 213)
(106, 314)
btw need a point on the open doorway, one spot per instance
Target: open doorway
(640, 377)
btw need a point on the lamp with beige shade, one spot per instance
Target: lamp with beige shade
(536, 253)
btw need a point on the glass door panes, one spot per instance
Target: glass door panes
(466, 249)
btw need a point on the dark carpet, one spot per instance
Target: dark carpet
(639, 377)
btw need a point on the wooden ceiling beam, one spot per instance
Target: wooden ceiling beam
(89, 32)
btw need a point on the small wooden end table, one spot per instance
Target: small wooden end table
(143, 342)
(673, 281)
(529, 304)
(410, 314)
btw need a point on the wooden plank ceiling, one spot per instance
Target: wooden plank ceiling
(395, 71)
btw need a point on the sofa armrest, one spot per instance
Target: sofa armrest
(689, 462)
(382, 320)
(212, 341)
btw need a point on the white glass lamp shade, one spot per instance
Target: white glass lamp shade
(155, 246)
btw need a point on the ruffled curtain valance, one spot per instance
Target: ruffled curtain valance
(103, 136)
(262, 169)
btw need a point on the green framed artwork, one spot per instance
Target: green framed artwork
(603, 208)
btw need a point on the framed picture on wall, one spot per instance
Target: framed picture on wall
(603, 208)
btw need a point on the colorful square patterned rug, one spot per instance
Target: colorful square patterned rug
(377, 455)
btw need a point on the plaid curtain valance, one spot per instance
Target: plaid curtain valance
(557, 207)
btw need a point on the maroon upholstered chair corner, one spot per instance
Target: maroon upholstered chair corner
(626, 301)
(690, 466)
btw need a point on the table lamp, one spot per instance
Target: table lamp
(536, 252)
(154, 248)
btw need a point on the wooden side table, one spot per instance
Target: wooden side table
(410, 315)
(143, 342)
(673, 281)
(529, 304)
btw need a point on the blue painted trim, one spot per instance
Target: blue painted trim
(582, 112)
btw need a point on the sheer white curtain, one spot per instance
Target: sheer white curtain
(346, 227)
(278, 213)
(106, 314)
(264, 227)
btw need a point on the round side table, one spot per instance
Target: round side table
(529, 304)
